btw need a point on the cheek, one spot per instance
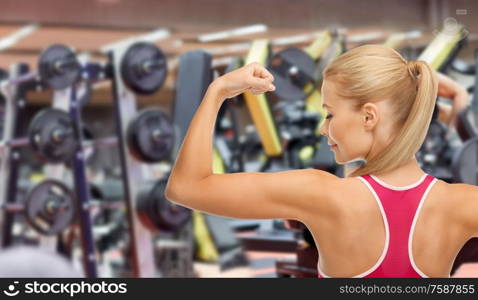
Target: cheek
(340, 129)
(347, 134)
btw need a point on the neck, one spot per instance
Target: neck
(410, 171)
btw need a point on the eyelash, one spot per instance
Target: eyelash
(328, 116)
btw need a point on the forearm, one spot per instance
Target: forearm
(448, 88)
(444, 113)
(194, 160)
(460, 102)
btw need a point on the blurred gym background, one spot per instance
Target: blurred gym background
(226, 30)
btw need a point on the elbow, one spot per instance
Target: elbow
(171, 192)
(178, 191)
(181, 191)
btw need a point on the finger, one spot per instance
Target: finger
(257, 91)
(260, 71)
(261, 83)
(261, 91)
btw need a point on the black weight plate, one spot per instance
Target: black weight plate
(292, 69)
(50, 207)
(158, 213)
(51, 135)
(465, 163)
(135, 71)
(150, 136)
(172, 217)
(58, 67)
(144, 209)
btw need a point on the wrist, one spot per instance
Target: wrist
(217, 89)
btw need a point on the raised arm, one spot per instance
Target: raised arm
(448, 88)
(287, 194)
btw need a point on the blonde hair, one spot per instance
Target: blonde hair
(374, 72)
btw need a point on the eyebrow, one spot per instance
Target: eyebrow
(325, 105)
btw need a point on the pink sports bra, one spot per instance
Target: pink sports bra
(400, 207)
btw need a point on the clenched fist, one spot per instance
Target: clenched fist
(252, 77)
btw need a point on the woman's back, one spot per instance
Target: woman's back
(355, 242)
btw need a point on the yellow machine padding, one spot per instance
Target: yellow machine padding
(318, 47)
(436, 53)
(205, 248)
(314, 101)
(217, 163)
(395, 40)
(259, 107)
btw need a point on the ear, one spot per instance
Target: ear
(370, 115)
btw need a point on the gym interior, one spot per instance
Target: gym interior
(83, 195)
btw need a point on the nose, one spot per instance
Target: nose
(323, 128)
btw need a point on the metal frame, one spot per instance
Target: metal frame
(9, 165)
(142, 256)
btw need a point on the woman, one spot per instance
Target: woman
(387, 218)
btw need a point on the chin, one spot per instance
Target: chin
(347, 160)
(338, 160)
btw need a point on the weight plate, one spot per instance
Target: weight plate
(144, 68)
(58, 67)
(150, 136)
(465, 163)
(293, 69)
(51, 135)
(50, 207)
(158, 213)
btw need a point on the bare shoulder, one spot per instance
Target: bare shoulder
(317, 181)
(460, 202)
(320, 189)
(456, 191)
(318, 174)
